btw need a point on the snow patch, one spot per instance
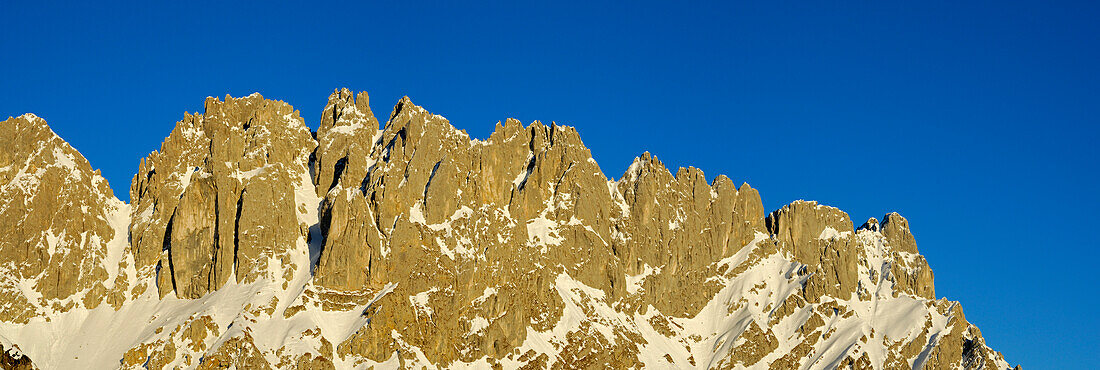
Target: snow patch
(634, 283)
(543, 232)
(829, 233)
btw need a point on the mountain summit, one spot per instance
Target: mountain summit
(252, 242)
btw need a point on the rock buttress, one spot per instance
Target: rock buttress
(239, 163)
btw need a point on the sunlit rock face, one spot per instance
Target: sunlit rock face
(56, 218)
(253, 242)
(217, 200)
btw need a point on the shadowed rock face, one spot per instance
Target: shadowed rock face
(413, 244)
(14, 361)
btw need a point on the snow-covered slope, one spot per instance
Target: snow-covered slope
(253, 244)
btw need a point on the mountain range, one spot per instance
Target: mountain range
(251, 241)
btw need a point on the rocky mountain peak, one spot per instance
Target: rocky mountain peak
(345, 137)
(803, 221)
(645, 164)
(896, 230)
(218, 199)
(56, 213)
(871, 225)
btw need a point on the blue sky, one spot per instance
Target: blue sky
(975, 120)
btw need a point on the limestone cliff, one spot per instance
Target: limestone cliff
(218, 199)
(253, 242)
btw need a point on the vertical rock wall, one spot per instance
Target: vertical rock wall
(217, 200)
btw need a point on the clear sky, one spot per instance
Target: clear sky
(975, 120)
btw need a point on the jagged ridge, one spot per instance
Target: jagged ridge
(414, 243)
